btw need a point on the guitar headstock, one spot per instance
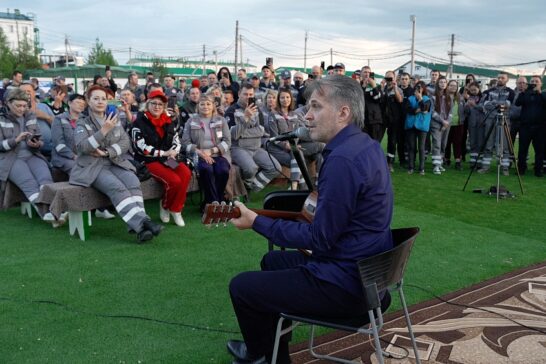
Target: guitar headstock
(216, 213)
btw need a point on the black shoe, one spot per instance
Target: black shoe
(153, 227)
(237, 348)
(261, 360)
(144, 236)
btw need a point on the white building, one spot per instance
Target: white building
(17, 27)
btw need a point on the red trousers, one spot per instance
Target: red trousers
(175, 181)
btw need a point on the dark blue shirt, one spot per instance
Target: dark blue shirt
(353, 214)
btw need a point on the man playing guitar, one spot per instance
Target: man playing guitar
(351, 221)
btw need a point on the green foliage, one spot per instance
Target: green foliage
(100, 55)
(26, 56)
(159, 69)
(22, 59)
(7, 58)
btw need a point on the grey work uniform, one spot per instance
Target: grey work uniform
(64, 150)
(113, 175)
(257, 167)
(19, 163)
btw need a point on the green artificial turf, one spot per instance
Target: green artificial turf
(182, 277)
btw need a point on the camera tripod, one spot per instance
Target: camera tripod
(502, 133)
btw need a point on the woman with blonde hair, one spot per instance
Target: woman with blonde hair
(157, 145)
(207, 136)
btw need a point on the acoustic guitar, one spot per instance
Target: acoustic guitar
(217, 213)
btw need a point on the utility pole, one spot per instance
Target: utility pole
(16, 11)
(215, 61)
(241, 49)
(451, 55)
(130, 55)
(305, 54)
(204, 53)
(65, 50)
(331, 57)
(412, 19)
(236, 45)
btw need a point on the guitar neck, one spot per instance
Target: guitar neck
(276, 214)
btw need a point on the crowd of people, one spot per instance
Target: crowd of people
(102, 137)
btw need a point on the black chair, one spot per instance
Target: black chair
(379, 272)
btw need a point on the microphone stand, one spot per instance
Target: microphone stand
(301, 164)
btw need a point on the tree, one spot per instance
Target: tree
(159, 69)
(100, 55)
(26, 57)
(7, 58)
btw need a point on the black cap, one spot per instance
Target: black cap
(339, 65)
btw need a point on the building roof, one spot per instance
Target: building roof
(183, 60)
(443, 68)
(90, 70)
(14, 16)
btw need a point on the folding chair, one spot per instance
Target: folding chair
(379, 272)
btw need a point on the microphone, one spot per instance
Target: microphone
(301, 132)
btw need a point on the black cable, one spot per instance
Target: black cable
(122, 316)
(475, 308)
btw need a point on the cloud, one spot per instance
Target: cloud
(488, 31)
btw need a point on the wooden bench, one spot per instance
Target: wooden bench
(80, 201)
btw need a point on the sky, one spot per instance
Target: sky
(495, 33)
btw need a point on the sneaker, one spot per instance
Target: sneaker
(104, 214)
(410, 171)
(163, 214)
(483, 170)
(63, 218)
(505, 171)
(442, 169)
(422, 172)
(391, 168)
(48, 217)
(177, 218)
(437, 170)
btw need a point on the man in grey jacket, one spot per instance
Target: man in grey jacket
(257, 167)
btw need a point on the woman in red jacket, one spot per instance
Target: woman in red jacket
(156, 144)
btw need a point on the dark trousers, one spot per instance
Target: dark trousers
(213, 178)
(396, 141)
(375, 131)
(283, 286)
(465, 137)
(455, 139)
(416, 139)
(528, 134)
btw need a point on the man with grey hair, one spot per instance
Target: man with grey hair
(352, 221)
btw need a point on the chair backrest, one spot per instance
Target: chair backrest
(387, 268)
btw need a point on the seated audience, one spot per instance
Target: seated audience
(206, 135)
(101, 142)
(157, 145)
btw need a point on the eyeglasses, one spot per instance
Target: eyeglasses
(157, 104)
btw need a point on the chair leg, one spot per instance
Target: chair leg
(324, 357)
(278, 334)
(378, 350)
(408, 322)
